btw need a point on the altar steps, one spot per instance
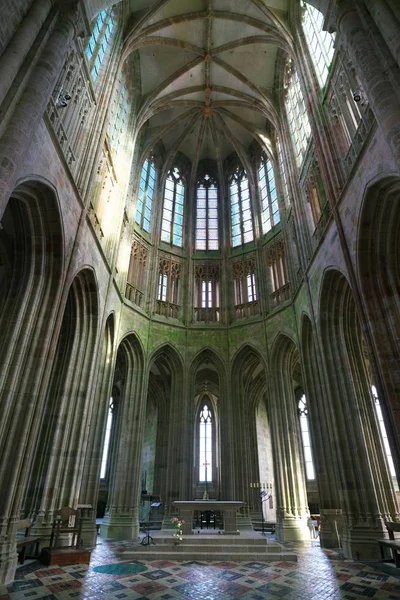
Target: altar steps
(249, 547)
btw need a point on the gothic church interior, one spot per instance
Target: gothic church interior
(200, 263)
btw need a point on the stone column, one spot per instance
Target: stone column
(361, 45)
(122, 515)
(16, 51)
(29, 110)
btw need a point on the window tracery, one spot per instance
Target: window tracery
(207, 214)
(136, 273)
(278, 271)
(245, 290)
(207, 290)
(242, 230)
(172, 220)
(145, 195)
(169, 274)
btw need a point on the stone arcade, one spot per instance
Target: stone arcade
(200, 263)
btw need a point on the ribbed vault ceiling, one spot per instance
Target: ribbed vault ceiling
(207, 72)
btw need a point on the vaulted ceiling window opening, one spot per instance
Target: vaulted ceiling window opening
(145, 196)
(299, 124)
(99, 40)
(172, 220)
(268, 194)
(320, 43)
(242, 229)
(207, 237)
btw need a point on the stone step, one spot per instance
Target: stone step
(210, 548)
(217, 540)
(187, 554)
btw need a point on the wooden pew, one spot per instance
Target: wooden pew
(26, 540)
(392, 543)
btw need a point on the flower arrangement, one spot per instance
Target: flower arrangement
(178, 523)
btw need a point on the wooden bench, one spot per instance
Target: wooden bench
(392, 543)
(26, 540)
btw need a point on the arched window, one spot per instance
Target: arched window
(99, 40)
(384, 434)
(320, 43)
(299, 124)
(305, 435)
(207, 214)
(106, 447)
(172, 220)
(205, 446)
(145, 196)
(283, 173)
(269, 196)
(241, 216)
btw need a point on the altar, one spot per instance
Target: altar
(229, 509)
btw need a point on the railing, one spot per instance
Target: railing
(133, 294)
(206, 315)
(167, 309)
(248, 309)
(322, 223)
(281, 295)
(359, 139)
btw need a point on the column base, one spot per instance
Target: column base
(123, 526)
(331, 529)
(8, 562)
(292, 529)
(359, 540)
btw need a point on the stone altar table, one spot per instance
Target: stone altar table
(186, 508)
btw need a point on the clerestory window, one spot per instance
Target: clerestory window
(145, 197)
(242, 230)
(172, 219)
(269, 196)
(299, 124)
(99, 40)
(207, 214)
(320, 43)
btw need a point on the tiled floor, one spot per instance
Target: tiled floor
(318, 575)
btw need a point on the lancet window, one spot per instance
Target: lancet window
(269, 195)
(278, 271)
(305, 436)
(206, 296)
(99, 40)
(320, 43)
(242, 229)
(207, 214)
(172, 220)
(145, 196)
(282, 172)
(205, 444)
(107, 439)
(299, 124)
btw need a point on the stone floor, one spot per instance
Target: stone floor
(318, 575)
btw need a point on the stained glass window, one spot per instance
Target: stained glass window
(145, 196)
(242, 230)
(207, 214)
(172, 219)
